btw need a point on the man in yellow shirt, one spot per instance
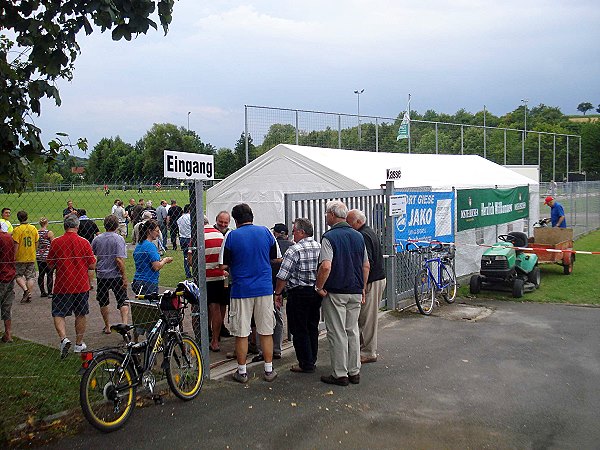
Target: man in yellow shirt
(26, 239)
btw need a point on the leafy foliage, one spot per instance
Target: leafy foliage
(42, 48)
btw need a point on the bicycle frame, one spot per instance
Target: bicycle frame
(437, 277)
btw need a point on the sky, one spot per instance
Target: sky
(221, 55)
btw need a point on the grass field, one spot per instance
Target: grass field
(51, 204)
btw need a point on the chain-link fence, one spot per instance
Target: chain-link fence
(557, 155)
(71, 279)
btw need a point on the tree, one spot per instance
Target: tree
(42, 48)
(598, 109)
(584, 107)
(166, 136)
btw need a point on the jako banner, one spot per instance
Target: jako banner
(478, 208)
(424, 216)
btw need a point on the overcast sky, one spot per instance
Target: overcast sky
(220, 55)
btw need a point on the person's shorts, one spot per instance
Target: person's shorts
(216, 292)
(241, 311)
(64, 305)
(25, 269)
(108, 284)
(7, 297)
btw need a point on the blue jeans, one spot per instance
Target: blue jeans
(163, 230)
(185, 243)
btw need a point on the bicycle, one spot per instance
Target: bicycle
(111, 375)
(437, 275)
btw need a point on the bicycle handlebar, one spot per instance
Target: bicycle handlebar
(155, 295)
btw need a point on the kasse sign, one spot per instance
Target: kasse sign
(186, 166)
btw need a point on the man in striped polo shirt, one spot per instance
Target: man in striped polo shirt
(216, 294)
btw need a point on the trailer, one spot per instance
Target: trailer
(553, 246)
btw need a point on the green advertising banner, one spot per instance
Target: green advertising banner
(476, 208)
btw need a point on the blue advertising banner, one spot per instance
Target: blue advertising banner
(428, 216)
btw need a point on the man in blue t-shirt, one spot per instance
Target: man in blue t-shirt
(247, 253)
(557, 214)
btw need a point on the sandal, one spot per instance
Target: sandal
(104, 331)
(214, 349)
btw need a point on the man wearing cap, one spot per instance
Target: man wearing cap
(557, 214)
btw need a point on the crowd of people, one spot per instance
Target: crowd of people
(250, 270)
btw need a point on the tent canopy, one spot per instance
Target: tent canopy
(293, 168)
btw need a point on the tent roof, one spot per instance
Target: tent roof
(439, 171)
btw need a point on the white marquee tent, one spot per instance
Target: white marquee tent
(297, 169)
(292, 168)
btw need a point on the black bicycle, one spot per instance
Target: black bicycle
(437, 275)
(111, 375)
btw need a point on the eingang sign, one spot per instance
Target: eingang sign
(478, 208)
(188, 166)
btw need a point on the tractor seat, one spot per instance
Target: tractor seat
(520, 238)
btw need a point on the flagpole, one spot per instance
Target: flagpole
(408, 109)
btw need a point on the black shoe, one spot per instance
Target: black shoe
(354, 379)
(276, 355)
(330, 379)
(43, 294)
(258, 358)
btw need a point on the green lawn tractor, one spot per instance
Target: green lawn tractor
(506, 269)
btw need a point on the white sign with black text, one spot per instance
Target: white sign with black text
(398, 205)
(393, 174)
(188, 166)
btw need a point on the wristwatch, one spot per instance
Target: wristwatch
(318, 289)
(277, 294)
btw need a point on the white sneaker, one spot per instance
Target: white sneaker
(79, 348)
(65, 345)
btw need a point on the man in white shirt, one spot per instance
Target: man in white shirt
(185, 234)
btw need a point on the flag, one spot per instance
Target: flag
(403, 131)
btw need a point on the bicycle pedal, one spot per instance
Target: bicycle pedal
(158, 400)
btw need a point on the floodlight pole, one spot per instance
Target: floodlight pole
(358, 92)
(188, 117)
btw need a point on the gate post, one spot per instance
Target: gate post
(390, 287)
(199, 312)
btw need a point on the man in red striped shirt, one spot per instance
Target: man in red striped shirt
(216, 294)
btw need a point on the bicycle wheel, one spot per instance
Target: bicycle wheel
(449, 283)
(424, 292)
(107, 392)
(184, 368)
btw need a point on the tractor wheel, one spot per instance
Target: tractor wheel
(475, 284)
(535, 277)
(518, 288)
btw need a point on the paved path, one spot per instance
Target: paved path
(493, 375)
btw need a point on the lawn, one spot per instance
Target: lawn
(581, 287)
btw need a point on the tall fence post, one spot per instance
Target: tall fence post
(200, 311)
(462, 139)
(390, 270)
(505, 146)
(376, 135)
(540, 153)
(246, 131)
(567, 159)
(554, 158)
(339, 131)
(436, 138)
(297, 133)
